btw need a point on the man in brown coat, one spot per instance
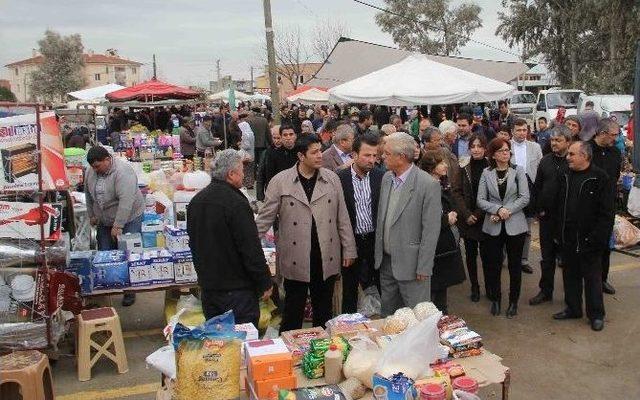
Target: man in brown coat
(315, 236)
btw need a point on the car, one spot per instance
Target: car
(549, 101)
(614, 106)
(523, 104)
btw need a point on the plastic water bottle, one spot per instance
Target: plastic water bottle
(333, 365)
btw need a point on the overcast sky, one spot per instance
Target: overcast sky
(188, 35)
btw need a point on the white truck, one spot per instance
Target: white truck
(549, 101)
(523, 104)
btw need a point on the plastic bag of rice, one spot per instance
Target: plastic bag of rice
(208, 359)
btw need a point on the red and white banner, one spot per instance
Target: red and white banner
(19, 153)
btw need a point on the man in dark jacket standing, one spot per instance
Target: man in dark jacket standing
(550, 170)
(283, 157)
(232, 270)
(260, 127)
(585, 210)
(361, 186)
(607, 156)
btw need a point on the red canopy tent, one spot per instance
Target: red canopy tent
(152, 90)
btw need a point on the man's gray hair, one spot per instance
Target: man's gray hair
(586, 149)
(225, 162)
(605, 125)
(342, 132)
(401, 143)
(561, 131)
(428, 133)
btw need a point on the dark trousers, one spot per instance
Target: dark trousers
(495, 245)
(471, 248)
(362, 272)
(295, 299)
(439, 299)
(583, 270)
(605, 262)
(549, 252)
(243, 303)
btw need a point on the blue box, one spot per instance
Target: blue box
(139, 271)
(80, 265)
(110, 270)
(149, 240)
(385, 388)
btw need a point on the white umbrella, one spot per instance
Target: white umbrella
(95, 93)
(310, 96)
(417, 80)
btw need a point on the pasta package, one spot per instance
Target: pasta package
(208, 359)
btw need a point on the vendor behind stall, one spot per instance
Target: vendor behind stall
(227, 254)
(114, 202)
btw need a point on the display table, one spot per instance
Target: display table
(150, 288)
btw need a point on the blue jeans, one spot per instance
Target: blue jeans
(106, 242)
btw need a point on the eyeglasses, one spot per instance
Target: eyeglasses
(503, 151)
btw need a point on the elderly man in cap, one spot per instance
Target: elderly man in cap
(204, 137)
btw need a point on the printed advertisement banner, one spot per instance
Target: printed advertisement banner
(19, 153)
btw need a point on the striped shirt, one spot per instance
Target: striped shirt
(362, 201)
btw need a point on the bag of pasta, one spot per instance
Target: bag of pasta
(208, 359)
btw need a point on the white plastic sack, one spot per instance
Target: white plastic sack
(370, 303)
(633, 204)
(625, 233)
(362, 360)
(412, 351)
(164, 360)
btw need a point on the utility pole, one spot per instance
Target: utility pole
(251, 80)
(219, 84)
(154, 66)
(271, 56)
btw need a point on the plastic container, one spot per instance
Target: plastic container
(433, 391)
(333, 365)
(466, 384)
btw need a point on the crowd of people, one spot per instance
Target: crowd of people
(384, 198)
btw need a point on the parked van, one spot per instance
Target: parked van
(549, 101)
(523, 104)
(615, 106)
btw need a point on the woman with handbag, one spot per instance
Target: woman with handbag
(465, 194)
(447, 267)
(503, 193)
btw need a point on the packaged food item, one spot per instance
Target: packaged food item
(443, 380)
(298, 340)
(110, 270)
(353, 389)
(326, 392)
(433, 391)
(313, 365)
(208, 359)
(406, 314)
(313, 360)
(424, 310)
(394, 324)
(466, 384)
(384, 340)
(396, 387)
(333, 365)
(362, 360)
(269, 388)
(268, 359)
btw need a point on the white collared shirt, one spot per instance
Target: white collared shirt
(343, 156)
(520, 153)
(399, 180)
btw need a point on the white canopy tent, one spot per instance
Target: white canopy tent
(224, 95)
(311, 96)
(95, 93)
(417, 80)
(259, 97)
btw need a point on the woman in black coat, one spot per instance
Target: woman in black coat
(465, 193)
(447, 269)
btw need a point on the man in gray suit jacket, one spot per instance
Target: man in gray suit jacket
(407, 229)
(338, 156)
(525, 154)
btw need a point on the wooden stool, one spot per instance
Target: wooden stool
(99, 320)
(30, 372)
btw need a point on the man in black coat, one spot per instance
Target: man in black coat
(227, 254)
(607, 156)
(283, 157)
(550, 169)
(361, 186)
(585, 209)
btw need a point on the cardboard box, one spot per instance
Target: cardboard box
(110, 270)
(80, 265)
(266, 389)
(160, 265)
(383, 388)
(250, 329)
(177, 240)
(184, 270)
(130, 242)
(268, 359)
(139, 270)
(150, 230)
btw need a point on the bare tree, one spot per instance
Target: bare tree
(292, 52)
(325, 35)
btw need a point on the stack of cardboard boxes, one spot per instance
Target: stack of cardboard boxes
(269, 368)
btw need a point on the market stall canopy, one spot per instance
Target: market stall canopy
(224, 95)
(309, 94)
(95, 93)
(417, 80)
(152, 90)
(259, 97)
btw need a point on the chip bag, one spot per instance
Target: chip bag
(208, 359)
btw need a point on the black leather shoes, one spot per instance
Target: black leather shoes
(495, 308)
(566, 314)
(512, 311)
(607, 288)
(128, 299)
(597, 324)
(475, 294)
(526, 268)
(539, 299)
